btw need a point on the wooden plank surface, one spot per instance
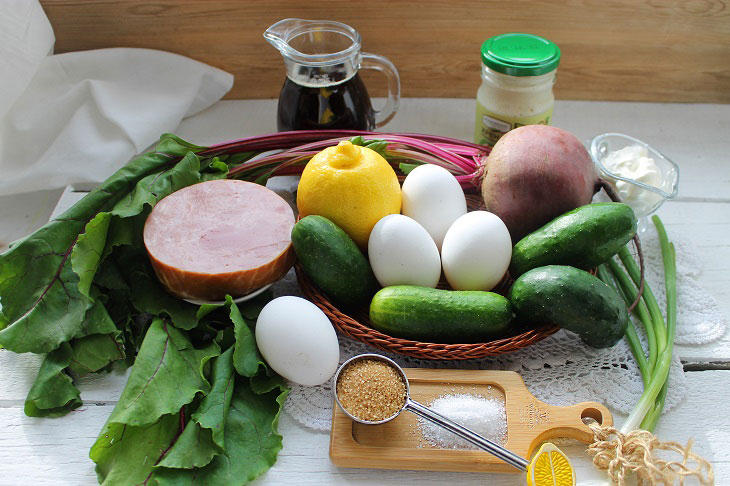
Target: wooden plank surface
(674, 50)
(55, 451)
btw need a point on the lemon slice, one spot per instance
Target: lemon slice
(550, 467)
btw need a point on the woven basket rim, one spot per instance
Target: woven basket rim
(354, 328)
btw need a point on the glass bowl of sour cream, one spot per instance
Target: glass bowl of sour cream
(643, 177)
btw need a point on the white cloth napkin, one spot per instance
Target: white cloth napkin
(82, 115)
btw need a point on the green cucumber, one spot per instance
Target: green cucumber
(333, 261)
(574, 300)
(584, 237)
(440, 316)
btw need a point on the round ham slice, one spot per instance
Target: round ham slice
(219, 237)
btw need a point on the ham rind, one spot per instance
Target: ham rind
(219, 237)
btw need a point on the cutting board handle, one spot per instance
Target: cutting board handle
(568, 422)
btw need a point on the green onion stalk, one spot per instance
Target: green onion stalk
(634, 446)
(654, 367)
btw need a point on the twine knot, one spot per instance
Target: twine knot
(635, 452)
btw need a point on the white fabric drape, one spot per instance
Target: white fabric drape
(77, 117)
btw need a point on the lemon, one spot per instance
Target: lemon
(352, 186)
(550, 467)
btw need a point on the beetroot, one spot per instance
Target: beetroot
(536, 173)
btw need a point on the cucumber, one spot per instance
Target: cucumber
(440, 316)
(584, 237)
(574, 300)
(333, 261)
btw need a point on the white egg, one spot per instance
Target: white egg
(432, 196)
(402, 252)
(476, 252)
(297, 340)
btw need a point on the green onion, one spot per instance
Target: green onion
(654, 369)
(631, 336)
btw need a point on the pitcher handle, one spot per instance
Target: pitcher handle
(382, 64)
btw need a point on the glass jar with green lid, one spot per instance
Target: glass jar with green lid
(518, 73)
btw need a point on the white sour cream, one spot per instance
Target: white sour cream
(633, 162)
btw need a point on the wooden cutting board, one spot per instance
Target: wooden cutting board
(399, 443)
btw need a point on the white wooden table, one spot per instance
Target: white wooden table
(55, 451)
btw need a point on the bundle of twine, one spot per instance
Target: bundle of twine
(620, 455)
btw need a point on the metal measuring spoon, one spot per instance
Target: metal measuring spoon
(422, 411)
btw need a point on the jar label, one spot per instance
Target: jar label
(490, 126)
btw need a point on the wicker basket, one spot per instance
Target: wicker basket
(357, 326)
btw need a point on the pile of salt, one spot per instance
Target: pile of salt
(485, 416)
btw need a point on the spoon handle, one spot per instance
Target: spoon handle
(507, 456)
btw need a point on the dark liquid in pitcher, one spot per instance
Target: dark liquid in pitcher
(342, 106)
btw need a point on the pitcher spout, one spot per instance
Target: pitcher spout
(278, 34)
(314, 42)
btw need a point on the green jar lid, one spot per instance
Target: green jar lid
(519, 54)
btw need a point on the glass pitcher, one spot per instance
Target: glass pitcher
(323, 89)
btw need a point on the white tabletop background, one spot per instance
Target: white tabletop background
(55, 451)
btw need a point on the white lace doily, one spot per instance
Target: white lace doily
(561, 370)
